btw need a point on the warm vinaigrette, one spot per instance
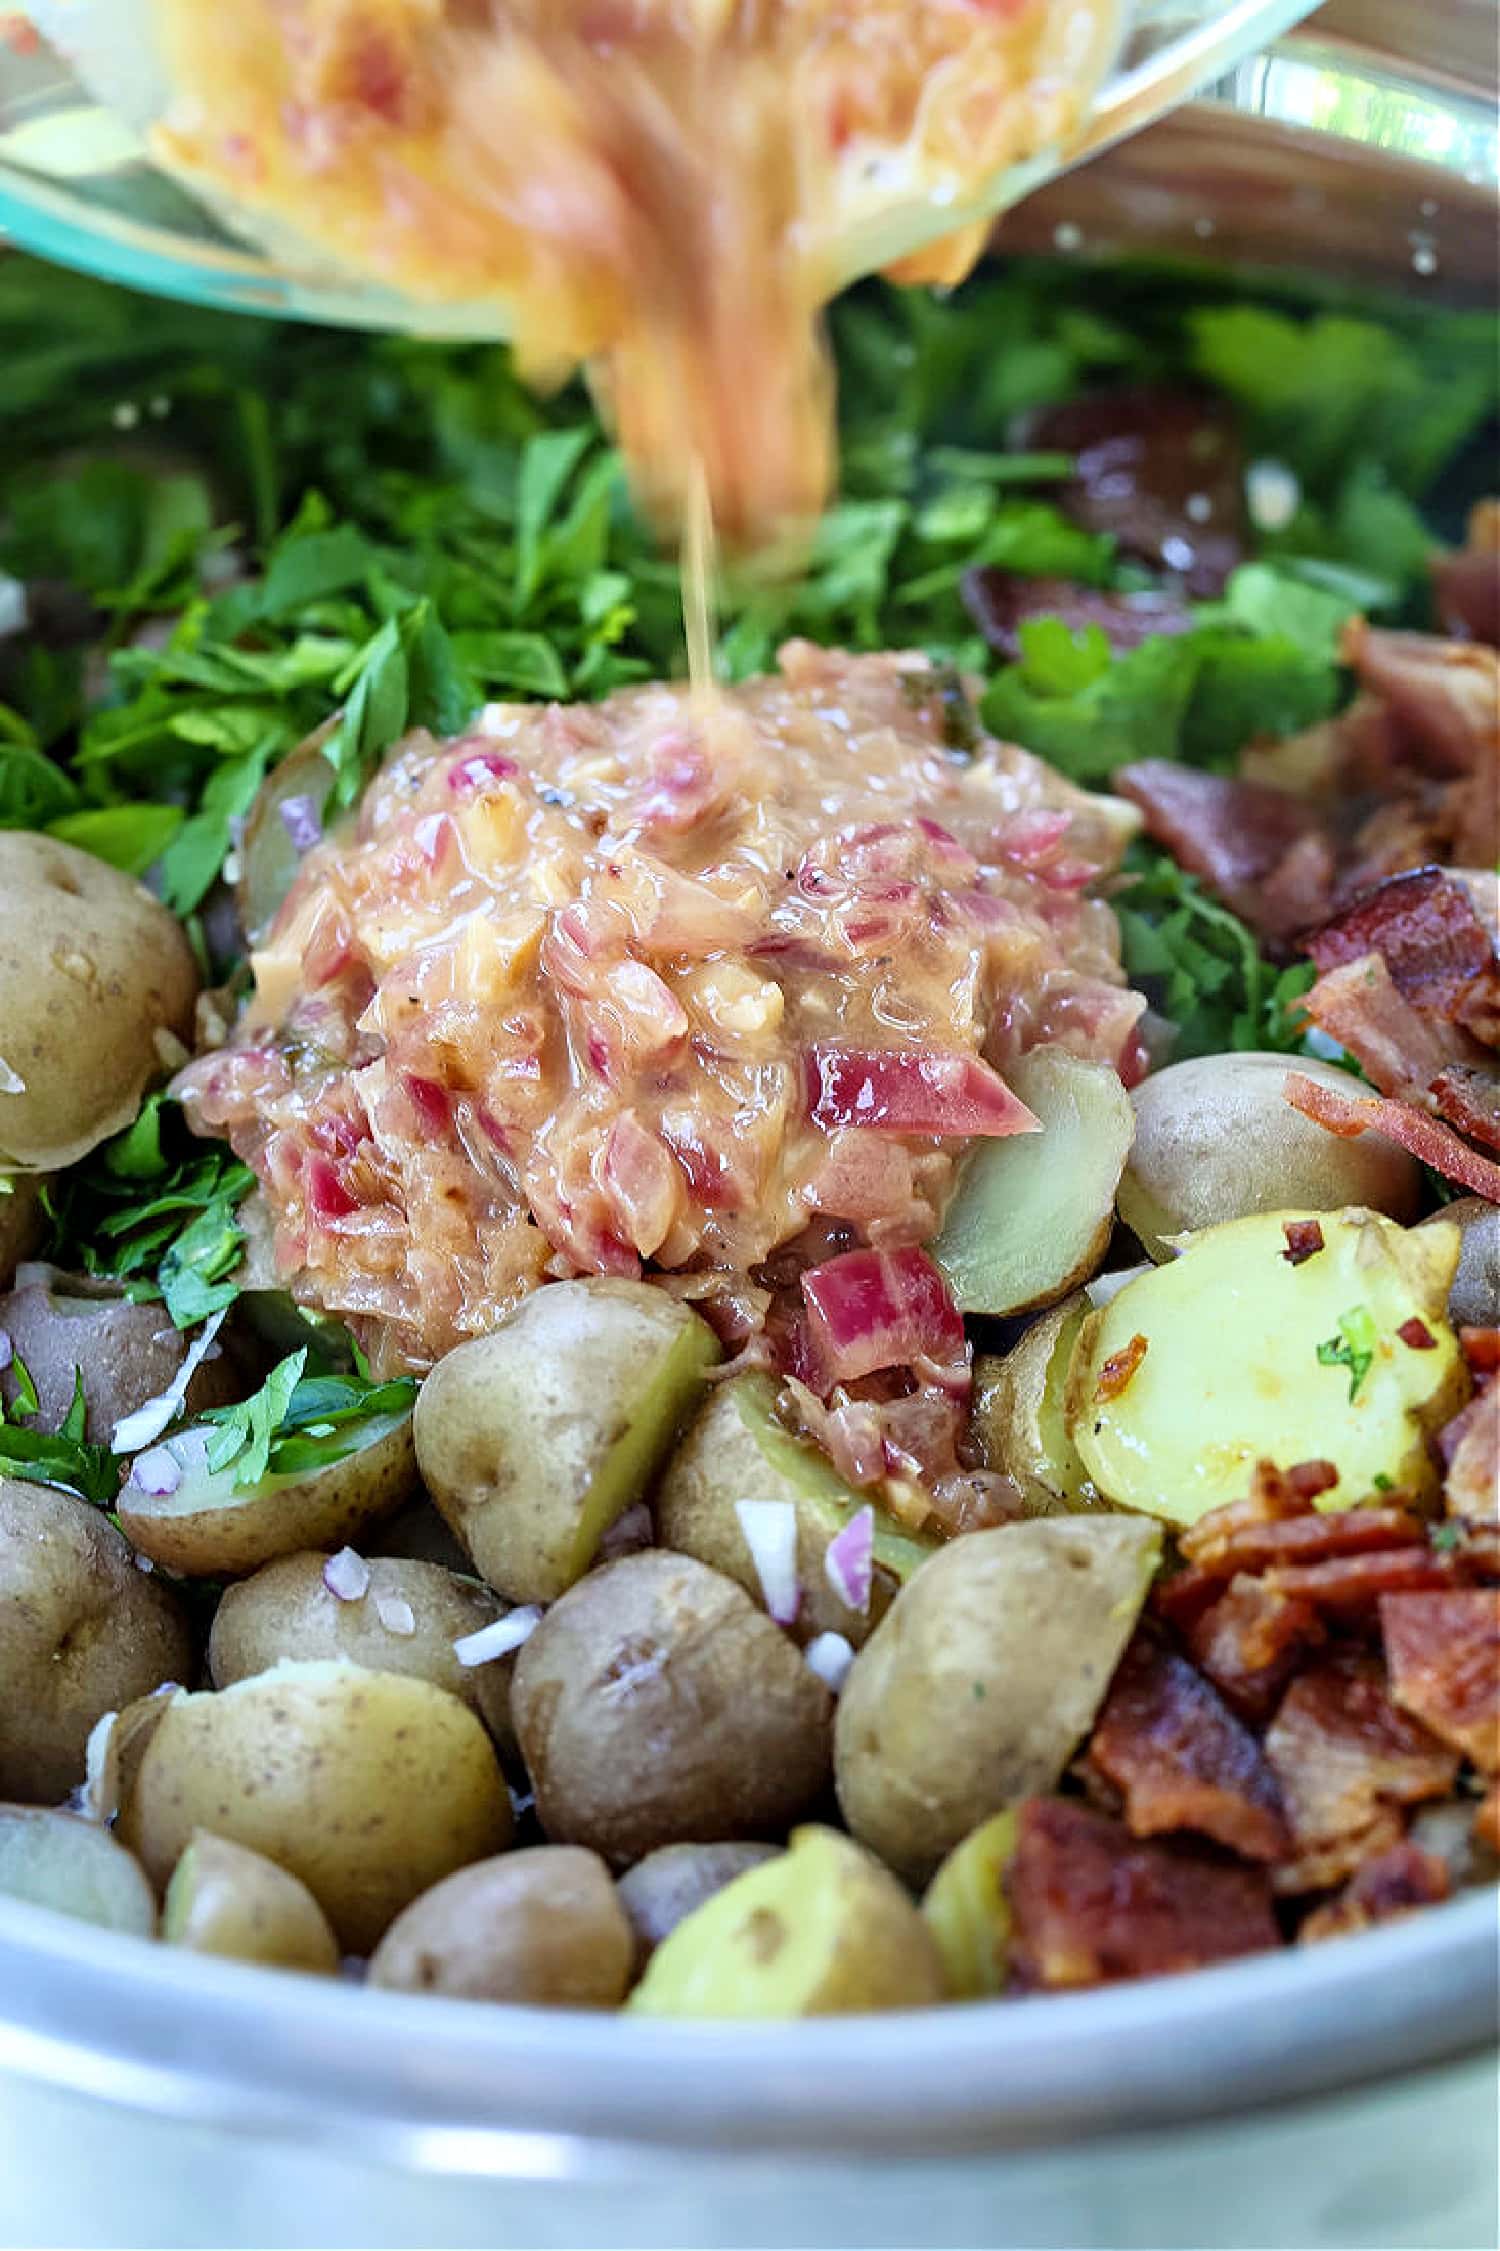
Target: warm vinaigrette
(666, 190)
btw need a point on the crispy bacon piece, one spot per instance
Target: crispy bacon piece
(1237, 836)
(1304, 1240)
(1159, 469)
(1000, 603)
(1394, 1883)
(1467, 582)
(1426, 928)
(1481, 1348)
(1343, 1755)
(1323, 1867)
(1251, 1641)
(1444, 694)
(1091, 1905)
(1308, 1537)
(1469, 1098)
(1344, 1585)
(1360, 1007)
(1442, 1654)
(1426, 1137)
(1181, 1760)
(1119, 1368)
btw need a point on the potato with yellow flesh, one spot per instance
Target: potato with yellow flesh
(1216, 1139)
(968, 1913)
(1474, 1299)
(534, 1439)
(821, 1930)
(225, 1899)
(1032, 1214)
(1018, 1422)
(985, 1674)
(736, 1451)
(210, 1527)
(1235, 1354)
(82, 1631)
(406, 1621)
(544, 1927)
(94, 973)
(74, 1867)
(367, 1786)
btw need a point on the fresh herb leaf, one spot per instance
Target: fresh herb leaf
(298, 1422)
(1201, 966)
(243, 1433)
(1353, 1348)
(39, 1459)
(25, 1403)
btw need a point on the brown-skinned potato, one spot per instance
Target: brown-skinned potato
(544, 1927)
(125, 1354)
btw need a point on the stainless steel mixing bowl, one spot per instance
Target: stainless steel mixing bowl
(1343, 2094)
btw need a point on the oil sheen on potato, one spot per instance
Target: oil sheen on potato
(664, 189)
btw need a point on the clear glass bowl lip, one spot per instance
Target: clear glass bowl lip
(466, 2087)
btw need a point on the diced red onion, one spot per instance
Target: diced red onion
(500, 1637)
(770, 1529)
(302, 821)
(347, 1575)
(849, 1560)
(899, 1091)
(157, 1472)
(830, 1657)
(879, 1309)
(396, 1615)
(327, 1197)
(479, 769)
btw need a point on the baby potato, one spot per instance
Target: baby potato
(406, 1621)
(666, 1887)
(92, 970)
(369, 1787)
(224, 1899)
(967, 1910)
(534, 1439)
(1031, 1214)
(656, 1705)
(1018, 1422)
(1215, 1139)
(82, 1631)
(821, 1930)
(1233, 1355)
(208, 1527)
(74, 1867)
(736, 1450)
(23, 1223)
(543, 1926)
(985, 1674)
(125, 1354)
(1474, 1299)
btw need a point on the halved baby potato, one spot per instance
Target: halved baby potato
(1019, 1421)
(737, 1451)
(534, 1439)
(209, 1527)
(1246, 1348)
(985, 1674)
(820, 1930)
(74, 1867)
(1031, 1215)
(1216, 1139)
(225, 1899)
(368, 1787)
(544, 1927)
(967, 1910)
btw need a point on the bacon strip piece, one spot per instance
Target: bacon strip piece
(1470, 1100)
(1237, 836)
(1426, 928)
(1426, 1137)
(1442, 1653)
(1393, 1883)
(1343, 1755)
(1446, 694)
(1309, 1538)
(1091, 1905)
(1251, 1641)
(1181, 1760)
(1358, 1005)
(1347, 1584)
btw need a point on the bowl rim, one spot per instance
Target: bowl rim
(429, 2083)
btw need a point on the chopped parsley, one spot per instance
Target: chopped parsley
(64, 1457)
(296, 1422)
(1353, 1348)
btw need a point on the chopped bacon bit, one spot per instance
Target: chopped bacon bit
(1322, 1867)
(1347, 1584)
(1425, 927)
(1343, 1754)
(1398, 1049)
(1416, 1335)
(1442, 1652)
(1469, 1098)
(1119, 1368)
(1481, 1348)
(1235, 835)
(1304, 1240)
(1426, 1137)
(1251, 1641)
(1393, 1883)
(1180, 1758)
(1307, 1538)
(1470, 1445)
(1091, 1905)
